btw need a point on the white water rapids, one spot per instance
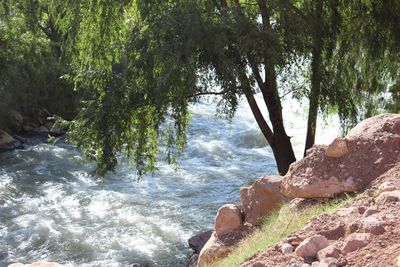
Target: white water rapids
(52, 208)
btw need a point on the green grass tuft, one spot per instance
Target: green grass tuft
(277, 226)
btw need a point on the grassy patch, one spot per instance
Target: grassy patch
(277, 226)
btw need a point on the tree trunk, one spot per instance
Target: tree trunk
(316, 77)
(281, 147)
(279, 141)
(283, 152)
(265, 129)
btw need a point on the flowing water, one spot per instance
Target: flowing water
(52, 208)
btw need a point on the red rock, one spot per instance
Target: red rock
(386, 187)
(346, 212)
(307, 178)
(375, 127)
(373, 225)
(386, 197)
(213, 250)
(355, 241)
(373, 149)
(370, 211)
(310, 246)
(338, 148)
(229, 217)
(329, 252)
(352, 227)
(334, 233)
(261, 198)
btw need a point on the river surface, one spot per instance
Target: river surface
(52, 208)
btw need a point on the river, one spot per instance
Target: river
(52, 208)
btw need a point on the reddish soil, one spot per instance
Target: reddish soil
(382, 249)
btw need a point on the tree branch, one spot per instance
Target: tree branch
(262, 123)
(210, 93)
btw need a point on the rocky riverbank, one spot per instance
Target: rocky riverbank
(365, 233)
(28, 131)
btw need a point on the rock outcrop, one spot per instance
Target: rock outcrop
(260, 198)
(348, 164)
(364, 233)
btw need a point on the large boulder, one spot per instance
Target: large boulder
(349, 164)
(377, 127)
(229, 217)
(261, 198)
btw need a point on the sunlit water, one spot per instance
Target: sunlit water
(52, 208)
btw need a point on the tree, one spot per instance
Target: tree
(156, 58)
(139, 64)
(170, 50)
(350, 70)
(31, 63)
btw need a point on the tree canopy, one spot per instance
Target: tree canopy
(138, 65)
